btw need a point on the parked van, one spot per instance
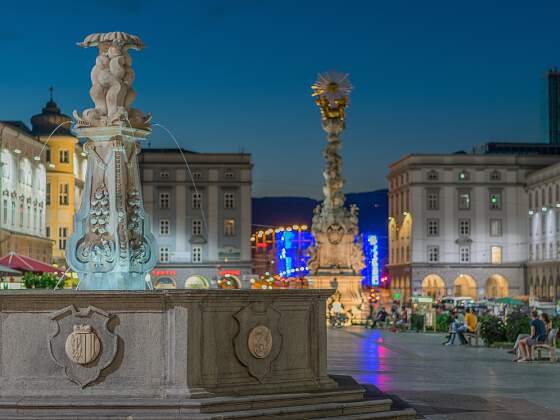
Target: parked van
(453, 302)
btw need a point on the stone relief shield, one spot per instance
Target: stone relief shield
(81, 342)
(258, 341)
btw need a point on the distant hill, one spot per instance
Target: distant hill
(286, 211)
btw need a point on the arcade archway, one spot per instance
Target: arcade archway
(465, 285)
(165, 283)
(434, 286)
(496, 286)
(197, 282)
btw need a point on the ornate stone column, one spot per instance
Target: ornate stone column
(112, 247)
(337, 258)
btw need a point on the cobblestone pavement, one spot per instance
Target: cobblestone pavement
(446, 382)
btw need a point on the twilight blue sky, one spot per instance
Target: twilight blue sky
(226, 75)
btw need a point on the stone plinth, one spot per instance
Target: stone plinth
(349, 288)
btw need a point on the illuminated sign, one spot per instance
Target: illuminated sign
(371, 254)
(224, 273)
(164, 272)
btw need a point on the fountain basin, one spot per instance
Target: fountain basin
(162, 344)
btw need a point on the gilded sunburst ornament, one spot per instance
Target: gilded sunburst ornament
(332, 86)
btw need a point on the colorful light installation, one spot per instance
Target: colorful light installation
(291, 252)
(371, 253)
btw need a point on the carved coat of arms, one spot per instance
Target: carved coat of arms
(258, 341)
(81, 342)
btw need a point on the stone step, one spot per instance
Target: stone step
(405, 414)
(325, 410)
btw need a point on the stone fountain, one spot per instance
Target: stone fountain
(115, 350)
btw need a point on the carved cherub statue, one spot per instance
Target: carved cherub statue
(111, 79)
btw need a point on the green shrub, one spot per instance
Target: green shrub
(417, 322)
(442, 322)
(517, 323)
(492, 329)
(41, 281)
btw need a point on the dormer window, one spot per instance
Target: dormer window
(433, 175)
(464, 176)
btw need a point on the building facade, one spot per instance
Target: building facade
(458, 224)
(543, 274)
(66, 168)
(202, 223)
(23, 189)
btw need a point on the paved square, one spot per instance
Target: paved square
(446, 382)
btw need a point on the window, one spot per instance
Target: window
(164, 254)
(63, 194)
(407, 253)
(496, 252)
(543, 224)
(196, 200)
(229, 200)
(196, 254)
(28, 217)
(557, 193)
(48, 231)
(164, 174)
(495, 200)
(48, 194)
(48, 155)
(433, 200)
(557, 221)
(549, 195)
(558, 249)
(433, 227)
(464, 176)
(197, 176)
(197, 227)
(21, 215)
(530, 251)
(229, 227)
(433, 175)
(164, 227)
(64, 156)
(464, 227)
(5, 212)
(62, 236)
(496, 227)
(495, 176)
(229, 174)
(464, 254)
(13, 213)
(164, 200)
(433, 253)
(464, 200)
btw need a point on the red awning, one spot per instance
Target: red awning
(23, 263)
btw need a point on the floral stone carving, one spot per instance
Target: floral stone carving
(258, 341)
(81, 342)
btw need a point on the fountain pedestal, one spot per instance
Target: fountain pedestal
(112, 247)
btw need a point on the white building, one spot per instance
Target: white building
(203, 231)
(543, 271)
(458, 224)
(22, 186)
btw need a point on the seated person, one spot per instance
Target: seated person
(538, 335)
